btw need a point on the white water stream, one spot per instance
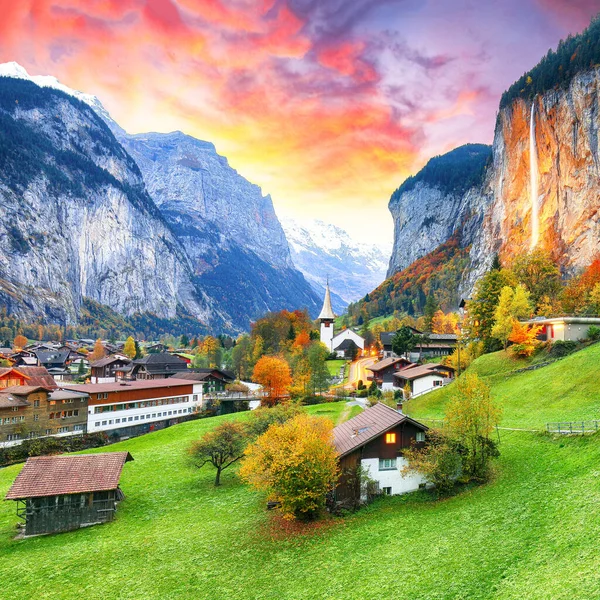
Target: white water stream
(533, 186)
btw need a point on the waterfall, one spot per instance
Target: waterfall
(533, 186)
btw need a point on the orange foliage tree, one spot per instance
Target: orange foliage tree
(295, 463)
(273, 373)
(524, 339)
(98, 352)
(20, 342)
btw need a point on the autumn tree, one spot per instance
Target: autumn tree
(471, 416)
(98, 352)
(512, 305)
(538, 273)
(524, 339)
(129, 347)
(295, 463)
(274, 375)
(221, 447)
(19, 342)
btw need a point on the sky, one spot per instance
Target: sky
(328, 105)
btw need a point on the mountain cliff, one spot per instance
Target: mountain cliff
(442, 198)
(79, 221)
(322, 250)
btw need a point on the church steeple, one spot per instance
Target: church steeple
(326, 317)
(327, 310)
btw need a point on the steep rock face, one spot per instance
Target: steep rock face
(566, 138)
(76, 219)
(187, 178)
(442, 198)
(230, 232)
(321, 250)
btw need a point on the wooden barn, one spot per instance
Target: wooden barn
(60, 493)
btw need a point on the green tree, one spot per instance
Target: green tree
(431, 307)
(320, 377)
(184, 341)
(539, 274)
(404, 341)
(221, 447)
(471, 416)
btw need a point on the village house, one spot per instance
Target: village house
(108, 369)
(383, 371)
(565, 329)
(374, 440)
(157, 366)
(61, 493)
(11, 376)
(32, 411)
(213, 380)
(439, 344)
(421, 379)
(128, 408)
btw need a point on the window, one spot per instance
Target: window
(11, 437)
(15, 408)
(130, 419)
(117, 420)
(77, 427)
(103, 423)
(36, 403)
(420, 436)
(390, 438)
(137, 418)
(387, 491)
(22, 418)
(63, 429)
(437, 383)
(48, 431)
(36, 417)
(387, 464)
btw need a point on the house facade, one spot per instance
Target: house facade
(157, 366)
(383, 372)
(375, 440)
(136, 407)
(565, 329)
(28, 412)
(421, 379)
(61, 493)
(107, 369)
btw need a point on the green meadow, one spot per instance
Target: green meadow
(531, 532)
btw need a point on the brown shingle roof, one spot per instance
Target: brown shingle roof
(366, 426)
(387, 362)
(9, 400)
(38, 376)
(56, 475)
(421, 371)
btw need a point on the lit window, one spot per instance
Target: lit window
(390, 438)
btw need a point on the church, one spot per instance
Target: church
(347, 342)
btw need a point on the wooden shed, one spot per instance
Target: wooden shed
(60, 493)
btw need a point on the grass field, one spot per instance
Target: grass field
(530, 533)
(334, 366)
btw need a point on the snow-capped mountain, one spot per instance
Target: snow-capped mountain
(320, 250)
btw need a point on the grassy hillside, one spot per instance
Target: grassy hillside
(529, 533)
(566, 390)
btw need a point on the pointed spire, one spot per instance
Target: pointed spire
(327, 311)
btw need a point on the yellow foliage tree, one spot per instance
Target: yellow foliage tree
(513, 304)
(98, 352)
(472, 415)
(273, 373)
(129, 347)
(524, 339)
(295, 463)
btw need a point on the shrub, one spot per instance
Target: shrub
(560, 349)
(594, 333)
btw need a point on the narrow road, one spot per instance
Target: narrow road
(358, 371)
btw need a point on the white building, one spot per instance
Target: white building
(140, 405)
(563, 329)
(332, 340)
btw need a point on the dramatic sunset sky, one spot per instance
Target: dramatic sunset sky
(326, 104)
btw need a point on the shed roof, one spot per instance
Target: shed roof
(108, 360)
(366, 426)
(421, 371)
(58, 475)
(39, 376)
(11, 400)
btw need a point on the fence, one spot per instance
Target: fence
(573, 427)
